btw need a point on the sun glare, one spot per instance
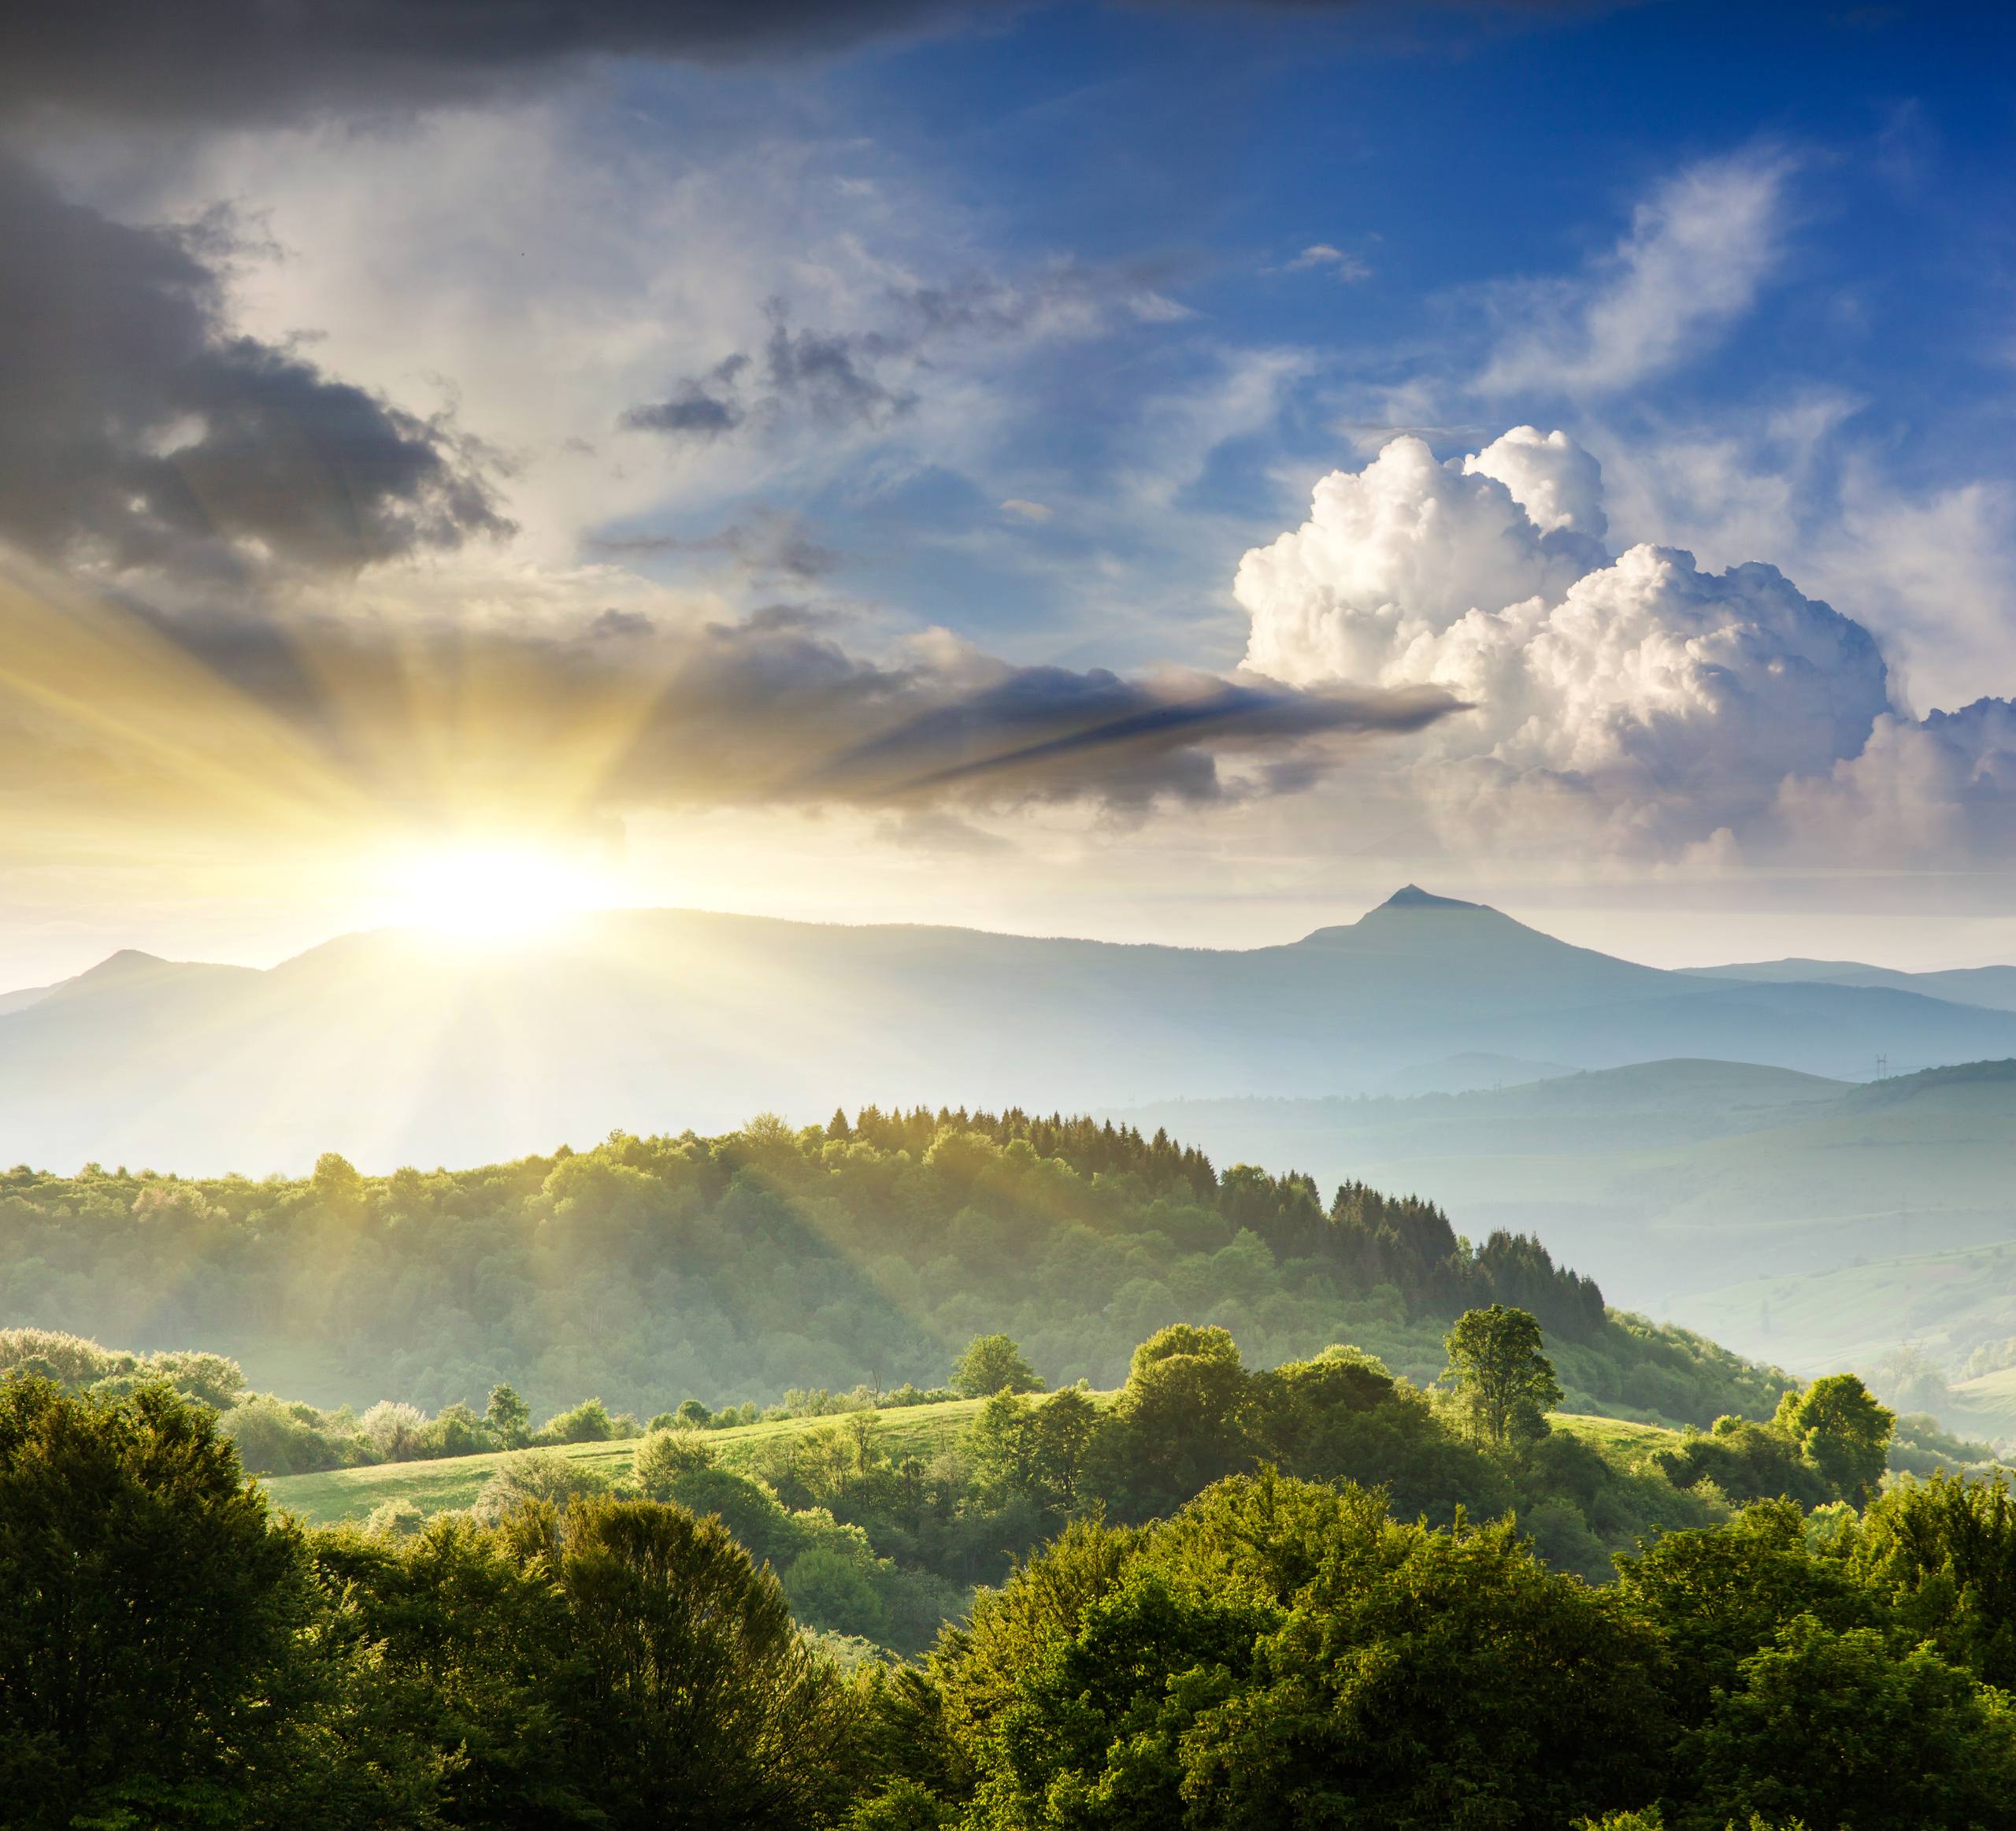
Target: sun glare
(491, 895)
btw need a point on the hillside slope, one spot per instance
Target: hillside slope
(732, 1269)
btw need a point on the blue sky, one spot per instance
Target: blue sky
(633, 454)
(1444, 161)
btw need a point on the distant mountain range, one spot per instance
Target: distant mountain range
(1992, 987)
(396, 1046)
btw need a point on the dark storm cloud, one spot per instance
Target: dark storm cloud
(771, 712)
(215, 61)
(134, 429)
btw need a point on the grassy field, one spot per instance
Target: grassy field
(1619, 1437)
(350, 1494)
(922, 1430)
(1987, 1405)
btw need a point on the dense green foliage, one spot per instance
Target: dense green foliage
(1831, 1442)
(883, 1546)
(1189, 1414)
(1274, 1652)
(728, 1270)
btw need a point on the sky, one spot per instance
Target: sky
(1165, 471)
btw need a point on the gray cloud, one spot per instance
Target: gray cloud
(831, 374)
(828, 377)
(771, 712)
(139, 431)
(217, 61)
(702, 407)
(768, 543)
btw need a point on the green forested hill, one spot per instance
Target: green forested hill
(648, 1271)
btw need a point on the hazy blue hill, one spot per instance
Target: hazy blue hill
(1756, 1204)
(397, 1047)
(1993, 987)
(21, 1000)
(1662, 1101)
(1469, 1072)
(1989, 1083)
(1943, 1304)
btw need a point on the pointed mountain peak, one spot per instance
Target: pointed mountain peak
(1413, 896)
(1416, 921)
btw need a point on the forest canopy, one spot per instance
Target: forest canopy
(651, 1270)
(1271, 1651)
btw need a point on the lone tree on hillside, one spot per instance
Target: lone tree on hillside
(509, 1417)
(992, 1364)
(1844, 1433)
(1502, 1379)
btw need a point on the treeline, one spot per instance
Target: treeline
(730, 1269)
(1275, 1651)
(1091, 1146)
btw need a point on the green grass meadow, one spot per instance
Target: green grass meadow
(920, 1430)
(454, 1481)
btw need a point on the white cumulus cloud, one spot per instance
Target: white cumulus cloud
(1637, 703)
(1920, 793)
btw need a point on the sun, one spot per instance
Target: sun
(492, 893)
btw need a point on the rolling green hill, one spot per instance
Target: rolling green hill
(454, 1481)
(866, 1252)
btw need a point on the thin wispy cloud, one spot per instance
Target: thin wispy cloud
(1699, 251)
(1321, 257)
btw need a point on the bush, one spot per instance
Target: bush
(393, 1428)
(394, 1519)
(274, 1437)
(589, 1422)
(829, 1589)
(456, 1431)
(663, 1457)
(532, 1475)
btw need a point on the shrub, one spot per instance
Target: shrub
(393, 1428)
(535, 1476)
(589, 1422)
(275, 1438)
(663, 1457)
